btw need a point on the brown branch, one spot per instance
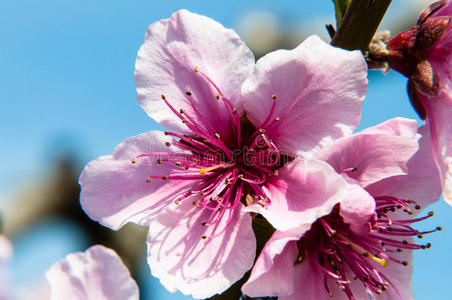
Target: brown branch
(360, 24)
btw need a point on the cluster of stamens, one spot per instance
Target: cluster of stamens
(226, 170)
(342, 255)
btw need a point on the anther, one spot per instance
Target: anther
(439, 228)
(167, 144)
(217, 135)
(261, 131)
(204, 237)
(159, 161)
(164, 177)
(178, 163)
(274, 96)
(431, 213)
(203, 223)
(420, 236)
(405, 263)
(148, 180)
(184, 121)
(196, 69)
(217, 96)
(188, 93)
(134, 160)
(277, 119)
(234, 110)
(163, 97)
(405, 242)
(399, 250)
(181, 111)
(165, 132)
(366, 254)
(418, 207)
(240, 176)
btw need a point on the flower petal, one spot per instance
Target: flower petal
(272, 274)
(166, 65)
(310, 283)
(96, 274)
(319, 91)
(304, 191)
(421, 184)
(375, 153)
(184, 261)
(439, 110)
(357, 207)
(115, 191)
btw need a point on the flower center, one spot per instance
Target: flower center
(225, 171)
(341, 254)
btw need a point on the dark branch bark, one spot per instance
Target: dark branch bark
(360, 24)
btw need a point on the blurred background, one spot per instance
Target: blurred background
(68, 96)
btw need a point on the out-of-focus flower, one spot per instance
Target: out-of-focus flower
(424, 55)
(361, 248)
(96, 274)
(6, 251)
(236, 126)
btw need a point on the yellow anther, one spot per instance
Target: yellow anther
(163, 97)
(205, 170)
(134, 160)
(277, 119)
(167, 144)
(234, 110)
(217, 96)
(196, 69)
(217, 135)
(148, 180)
(379, 260)
(274, 96)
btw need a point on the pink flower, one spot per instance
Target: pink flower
(361, 247)
(96, 274)
(424, 55)
(235, 125)
(6, 251)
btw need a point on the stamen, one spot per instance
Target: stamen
(205, 170)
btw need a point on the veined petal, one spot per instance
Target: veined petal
(96, 274)
(421, 183)
(304, 191)
(439, 110)
(183, 260)
(273, 272)
(375, 153)
(319, 91)
(115, 191)
(166, 64)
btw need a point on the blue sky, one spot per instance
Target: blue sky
(66, 82)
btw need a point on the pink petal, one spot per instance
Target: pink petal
(421, 184)
(357, 207)
(166, 65)
(439, 110)
(273, 272)
(184, 261)
(375, 153)
(304, 191)
(115, 191)
(309, 281)
(96, 274)
(319, 91)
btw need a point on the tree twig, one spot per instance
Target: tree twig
(360, 24)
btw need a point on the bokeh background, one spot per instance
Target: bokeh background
(67, 96)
